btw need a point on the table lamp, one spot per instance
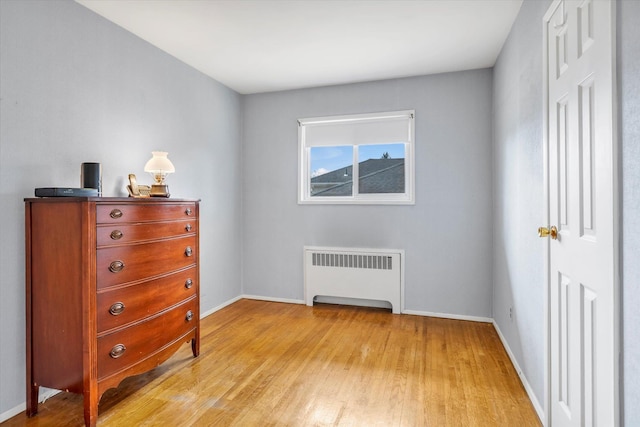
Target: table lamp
(159, 166)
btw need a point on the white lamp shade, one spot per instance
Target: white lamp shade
(159, 163)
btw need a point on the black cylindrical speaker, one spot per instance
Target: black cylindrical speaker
(91, 176)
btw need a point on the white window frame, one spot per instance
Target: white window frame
(304, 160)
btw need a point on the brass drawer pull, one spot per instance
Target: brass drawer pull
(116, 235)
(116, 213)
(117, 351)
(188, 284)
(116, 266)
(189, 316)
(188, 227)
(188, 251)
(188, 211)
(116, 308)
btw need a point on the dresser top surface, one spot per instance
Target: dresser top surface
(108, 200)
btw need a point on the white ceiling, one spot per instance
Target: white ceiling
(257, 46)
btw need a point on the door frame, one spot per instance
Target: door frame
(615, 170)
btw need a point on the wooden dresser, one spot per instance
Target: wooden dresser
(112, 290)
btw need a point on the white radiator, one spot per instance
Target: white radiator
(365, 276)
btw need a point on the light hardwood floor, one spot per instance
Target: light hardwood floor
(275, 364)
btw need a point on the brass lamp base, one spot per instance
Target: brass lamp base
(159, 190)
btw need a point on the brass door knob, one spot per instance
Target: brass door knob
(544, 232)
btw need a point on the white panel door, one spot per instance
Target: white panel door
(582, 292)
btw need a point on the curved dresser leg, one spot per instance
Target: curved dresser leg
(195, 344)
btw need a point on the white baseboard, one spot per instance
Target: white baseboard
(532, 397)
(272, 299)
(13, 412)
(413, 312)
(220, 307)
(253, 297)
(449, 316)
(301, 301)
(45, 393)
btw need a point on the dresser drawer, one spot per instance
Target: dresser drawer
(121, 306)
(143, 212)
(132, 344)
(113, 234)
(136, 262)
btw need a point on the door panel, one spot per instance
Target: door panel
(583, 330)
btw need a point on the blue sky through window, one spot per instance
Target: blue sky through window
(326, 159)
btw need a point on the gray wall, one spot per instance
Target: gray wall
(518, 253)
(518, 191)
(77, 88)
(629, 132)
(446, 235)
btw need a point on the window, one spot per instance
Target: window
(357, 159)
